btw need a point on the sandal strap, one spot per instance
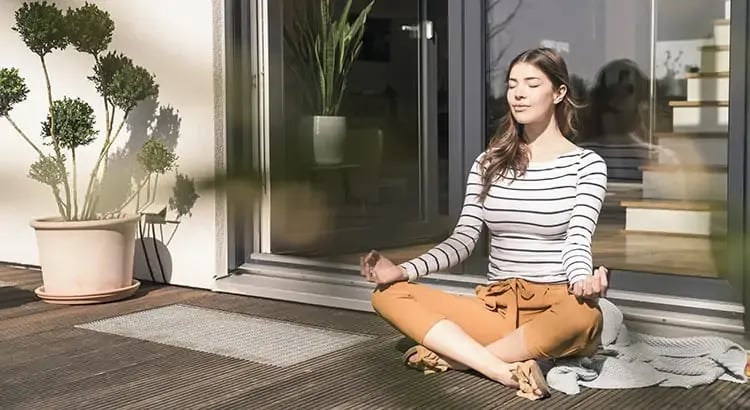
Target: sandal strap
(529, 378)
(427, 361)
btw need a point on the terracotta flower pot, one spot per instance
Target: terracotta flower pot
(86, 261)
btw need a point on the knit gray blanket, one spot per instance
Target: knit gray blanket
(632, 360)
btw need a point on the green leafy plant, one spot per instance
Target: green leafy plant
(70, 122)
(324, 48)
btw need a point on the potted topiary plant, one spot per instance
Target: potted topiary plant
(324, 48)
(86, 253)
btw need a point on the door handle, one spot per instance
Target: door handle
(415, 30)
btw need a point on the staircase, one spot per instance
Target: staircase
(685, 189)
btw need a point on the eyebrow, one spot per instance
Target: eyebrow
(527, 78)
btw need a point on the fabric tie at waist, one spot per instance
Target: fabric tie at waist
(491, 296)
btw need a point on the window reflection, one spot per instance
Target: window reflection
(656, 111)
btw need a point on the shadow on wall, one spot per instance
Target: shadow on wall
(153, 261)
(123, 170)
(148, 121)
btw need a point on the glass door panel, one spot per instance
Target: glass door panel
(370, 176)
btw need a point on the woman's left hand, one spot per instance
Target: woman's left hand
(593, 286)
(380, 270)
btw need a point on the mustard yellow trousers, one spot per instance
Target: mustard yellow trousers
(555, 323)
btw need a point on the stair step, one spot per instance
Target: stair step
(700, 103)
(700, 116)
(707, 88)
(684, 168)
(721, 32)
(697, 218)
(674, 205)
(719, 74)
(685, 182)
(691, 135)
(714, 58)
(709, 149)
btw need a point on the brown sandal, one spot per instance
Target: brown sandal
(530, 379)
(427, 361)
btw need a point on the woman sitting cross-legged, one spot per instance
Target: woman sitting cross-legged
(540, 196)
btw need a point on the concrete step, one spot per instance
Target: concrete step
(682, 182)
(714, 58)
(721, 32)
(700, 116)
(692, 148)
(708, 86)
(675, 217)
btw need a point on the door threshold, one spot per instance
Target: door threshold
(658, 315)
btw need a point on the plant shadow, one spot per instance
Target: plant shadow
(147, 120)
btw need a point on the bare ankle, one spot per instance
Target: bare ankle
(504, 376)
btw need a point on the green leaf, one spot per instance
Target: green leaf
(13, 89)
(323, 49)
(90, 29)
(121, 82)
(74, 123)
(42, 27)
(104, 72)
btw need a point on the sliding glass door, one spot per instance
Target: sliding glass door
(367, 172)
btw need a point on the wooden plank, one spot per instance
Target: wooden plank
(708, 74)
(319, 316)
(682, 103)
(674, 205)
(715, 48)
(691, 135)
(51, 364)
(71, 315)
(683, 168)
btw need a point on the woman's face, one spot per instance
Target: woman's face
(531, 94)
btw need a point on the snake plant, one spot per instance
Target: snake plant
(324, 48)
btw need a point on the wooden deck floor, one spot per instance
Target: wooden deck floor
(49, 363)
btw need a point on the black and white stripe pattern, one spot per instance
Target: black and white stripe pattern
(541, 223)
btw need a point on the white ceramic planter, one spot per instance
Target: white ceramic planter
(328, 137)
(86, 261)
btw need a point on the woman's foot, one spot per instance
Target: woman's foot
(530, 380)
(420, 358)
(526, 376)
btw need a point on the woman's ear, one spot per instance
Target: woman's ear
(560, 94)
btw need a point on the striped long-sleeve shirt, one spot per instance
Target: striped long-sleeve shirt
(541, 222)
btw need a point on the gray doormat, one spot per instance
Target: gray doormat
(229, 334)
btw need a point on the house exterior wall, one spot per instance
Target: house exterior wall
(181, 43)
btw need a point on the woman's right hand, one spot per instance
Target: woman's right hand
(380, 270)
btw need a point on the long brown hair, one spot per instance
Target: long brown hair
(507, 151)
